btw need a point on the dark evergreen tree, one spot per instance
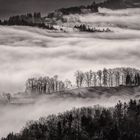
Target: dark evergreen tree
(105, 77)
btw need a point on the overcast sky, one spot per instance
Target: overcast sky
(13, 7)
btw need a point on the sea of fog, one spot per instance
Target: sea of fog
(27, 52)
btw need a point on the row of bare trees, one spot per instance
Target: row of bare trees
(108, 77)
(46, 84)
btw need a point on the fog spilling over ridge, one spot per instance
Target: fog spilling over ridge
(28, 51)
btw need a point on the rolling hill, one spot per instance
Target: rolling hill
(121, 92)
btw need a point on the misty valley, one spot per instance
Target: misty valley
(120, 122)
(72, 73)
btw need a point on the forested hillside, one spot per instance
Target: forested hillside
(120, 4)
(93, 123)
(37, 20)
(52, 18)
(74, 10)
(28, 19)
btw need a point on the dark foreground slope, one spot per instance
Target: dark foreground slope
(93, 123)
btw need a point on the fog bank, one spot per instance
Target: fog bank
(27, 51)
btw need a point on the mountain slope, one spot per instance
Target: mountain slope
(102, 92)
(120, 4)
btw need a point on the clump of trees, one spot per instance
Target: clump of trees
(92, 123)
(46, 85)
(78, 10)
(113, 4)
(35, 19)
(74, 10)
(5, 97)
(108, 77)
(85, 28)
(117, 4)
(27, 20)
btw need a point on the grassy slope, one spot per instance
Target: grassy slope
(97, 92)
(87, 92)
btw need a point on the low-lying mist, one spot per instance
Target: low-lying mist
(15, 116)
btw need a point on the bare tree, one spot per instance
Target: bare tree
(79, 78)
(99, 73)
(117, 74)
(110, 73)
(61, 86)
(88, 78)
(56, 83)
(68, 84)
(105, 76)
(94, 79)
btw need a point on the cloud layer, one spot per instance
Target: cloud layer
(25, 51)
